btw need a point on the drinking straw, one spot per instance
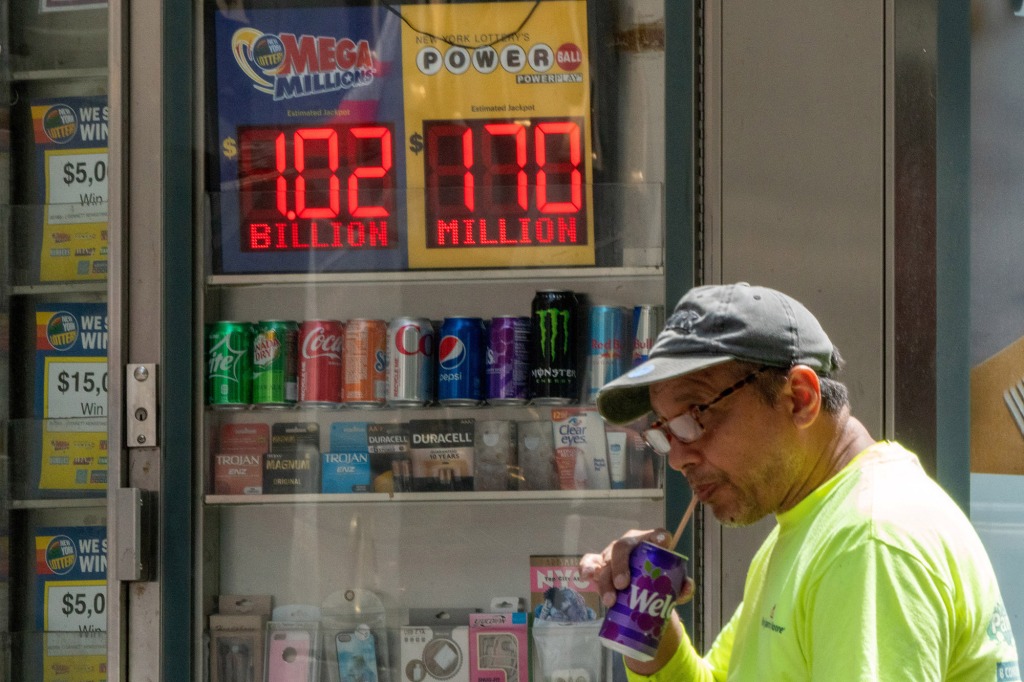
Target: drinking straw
(682, 523)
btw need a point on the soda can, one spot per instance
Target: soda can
(410, 356)
(508, 360)
(229, 364)
(606, 347)
(633, 626)
(460, 361)
(647, 323)
(365, 362)
(320, 362)
(554, 354)
(274, 378)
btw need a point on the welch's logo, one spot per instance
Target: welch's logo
(650, 602)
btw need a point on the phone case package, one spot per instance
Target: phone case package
(354, 634)
(293, 653)
(498, 647)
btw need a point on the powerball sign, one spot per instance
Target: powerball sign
(71, 156)
(497, 105)
(71, 395)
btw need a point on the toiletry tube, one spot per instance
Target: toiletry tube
(617, 455)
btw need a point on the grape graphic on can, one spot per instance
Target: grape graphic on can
(633, 626)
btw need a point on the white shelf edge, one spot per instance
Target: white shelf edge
(435, 276)
(467, 496)
(62, 288)
(62, 503)
(59, 74)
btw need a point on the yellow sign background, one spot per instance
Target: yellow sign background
(497, 94)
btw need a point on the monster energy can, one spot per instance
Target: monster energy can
(229, 364)
(554, 353)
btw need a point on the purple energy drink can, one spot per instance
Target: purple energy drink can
(508, 360)
(606, 347)
(460, 361)
(633, 626)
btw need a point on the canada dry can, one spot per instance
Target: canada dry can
(274, 376)
(320, 358)
(460, 361)
(647, 323)
(365, 362)
(508, 360)
(606, 347)
(554, 355)
(229, 364)
(410, 373)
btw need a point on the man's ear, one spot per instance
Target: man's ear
(805, 393)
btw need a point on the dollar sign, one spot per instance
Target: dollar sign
(416, 143)
(68, 605)
(69, 174)
(62, 382)
(230, 147)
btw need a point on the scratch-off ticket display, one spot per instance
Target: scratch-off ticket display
(70, 136)
(71, 395)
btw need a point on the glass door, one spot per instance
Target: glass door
(424, 236)
(53, 331)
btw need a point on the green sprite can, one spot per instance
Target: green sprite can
(274, 379)
(229, 364)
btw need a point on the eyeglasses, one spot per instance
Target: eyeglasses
(686, 428)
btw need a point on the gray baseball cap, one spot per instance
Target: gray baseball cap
(715, 324)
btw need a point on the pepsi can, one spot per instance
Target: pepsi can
(460, 361)
(554, 353)
(508, 360)
(606, 347)
(410, 362)
(647, 323)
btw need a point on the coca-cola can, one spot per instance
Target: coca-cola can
(365, 352)
(410, 362)
(320, 362)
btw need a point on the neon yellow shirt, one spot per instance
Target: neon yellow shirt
(876, 575)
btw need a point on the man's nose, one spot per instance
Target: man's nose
(682, 455)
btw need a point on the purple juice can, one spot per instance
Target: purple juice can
(633, 626)
(508, 360)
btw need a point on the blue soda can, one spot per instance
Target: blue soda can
(460, 361)
(606, 347)
(633, 626)
(508, 360)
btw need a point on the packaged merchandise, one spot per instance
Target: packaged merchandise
(535, 451)
(498, 647)
(346, 467)
(442, 454)
(390, 461)
(581, 451)
(238, 460)
(293, 463)
(435, 646)
(495, 455)
(237, 636)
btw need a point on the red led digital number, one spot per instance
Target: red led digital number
(503, 166)
(296, 173)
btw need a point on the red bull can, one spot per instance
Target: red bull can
(274, 377)
(633, 626)
(460, 361)
(410, 356)
(647, 323)
(365, 362)
(606, 347)
(320, 358)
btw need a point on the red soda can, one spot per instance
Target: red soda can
(365, 362)
(320, 362)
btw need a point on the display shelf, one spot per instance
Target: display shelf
(62, 288)
(428, 497)
(461, 276)
(63, 503)
(59, 74)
